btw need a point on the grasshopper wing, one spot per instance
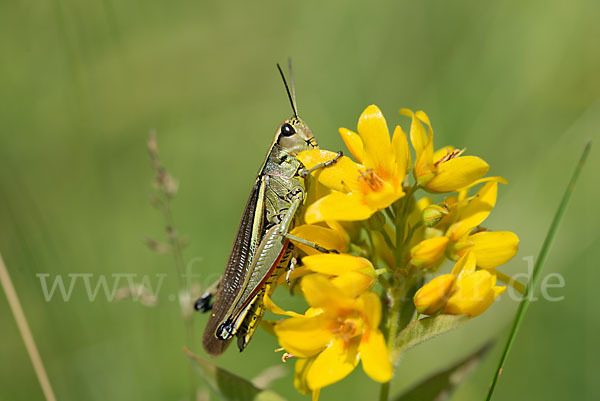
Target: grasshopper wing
(249, 234)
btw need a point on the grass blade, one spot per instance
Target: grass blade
(19, 315)
(538, 267)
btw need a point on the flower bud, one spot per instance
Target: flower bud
(432, 214)
(432, 296)
(427, 252)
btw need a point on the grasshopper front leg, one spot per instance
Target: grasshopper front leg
(306, 172)
(303, 241)
(314, 245)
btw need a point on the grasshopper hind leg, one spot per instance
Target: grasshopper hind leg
(257, 309)
(225, 330)
(204, 303)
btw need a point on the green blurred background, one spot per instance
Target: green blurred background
(82, 83)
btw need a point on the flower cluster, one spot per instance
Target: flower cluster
(388, 242)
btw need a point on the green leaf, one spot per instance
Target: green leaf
(425, 329)
(531, 285)
(228, 385)
(441, 385)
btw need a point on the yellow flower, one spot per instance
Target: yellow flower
(359, 190)
(465, 291)
(333, 335)
(432, 297)
(463, 217)
(474, 290)
(491, 248)
(475, 293)
(445, 170)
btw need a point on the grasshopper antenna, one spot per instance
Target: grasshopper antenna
(287, 88)
(291, 72)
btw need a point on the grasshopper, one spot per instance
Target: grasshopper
(262, 250)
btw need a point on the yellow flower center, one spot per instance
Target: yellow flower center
(348, 328)
(371, 179)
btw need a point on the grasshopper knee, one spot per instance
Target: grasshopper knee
(203, 303)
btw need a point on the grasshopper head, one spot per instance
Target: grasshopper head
(295, 136)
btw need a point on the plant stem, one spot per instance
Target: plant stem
(19, 315)
(166, 188)
(387, 239)
(395, 294)
(384, 393)
(538, 268)
(184, 277)
(400, 222)
(390, 213)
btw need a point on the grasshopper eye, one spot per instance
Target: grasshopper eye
(287, 130)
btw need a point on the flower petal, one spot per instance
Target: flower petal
(370, 304)
(475, 212)
(428, 251)
(465, 265)
(384, 196)
(401, 153)
(494, 248)
(457, 173)
(301, 369)
(338, 206)
(312, 157)
(354, 283)
(320, 292)
(335, 264)
(273, 307)
(375, 357)
(375, 136)
(327, 238)
(424, 168)
(353, 143)
(304, 336)
(333, 364)
(342, 176)
(418, 135)
(337, 226)
(499, 179)
(474, 295)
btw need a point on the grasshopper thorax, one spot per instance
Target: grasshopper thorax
(295, 136)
